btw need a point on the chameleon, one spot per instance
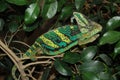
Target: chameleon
(61, 39)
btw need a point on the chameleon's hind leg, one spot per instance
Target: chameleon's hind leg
(88, 40)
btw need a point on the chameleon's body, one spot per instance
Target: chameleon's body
(56, 41)
(63, 38)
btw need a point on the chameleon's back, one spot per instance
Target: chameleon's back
(61, 39)
(56, 41)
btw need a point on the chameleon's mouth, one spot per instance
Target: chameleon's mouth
(97, 28)
(95, 31)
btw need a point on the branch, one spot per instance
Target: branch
(11, 54)
(14, 58)
(44, 57)
(35, 63)
(21, 43)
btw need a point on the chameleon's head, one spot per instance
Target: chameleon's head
(86, 26)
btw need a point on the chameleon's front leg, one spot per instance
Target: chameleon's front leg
(93, 38)
(72, 19)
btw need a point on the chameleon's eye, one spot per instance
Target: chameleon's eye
(84, 30)
(73, 21)
(90, 27)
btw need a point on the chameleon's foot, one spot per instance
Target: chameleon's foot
(72, 20)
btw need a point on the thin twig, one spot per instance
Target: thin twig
(42, 57)
(14, 48)
(31, 77)
(14, 34)
(6, 38)
(30, 73)
(14, 58)
(33, 69)
(3, 55)
(12, 38)
(76, 68)
(35, 63)
(17, 50)
(22, 43)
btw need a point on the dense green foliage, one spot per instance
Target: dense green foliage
(25, 20)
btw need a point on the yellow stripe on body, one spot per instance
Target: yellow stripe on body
(71, 27)
(30, 51)
(37, 43)
(62, 36)
(34, 46)
(48, 42)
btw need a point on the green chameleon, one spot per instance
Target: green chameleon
(63, 38)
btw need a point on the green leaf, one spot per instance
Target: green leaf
(92, 66)
(71, 57)
(117, 68)
(50, 1)
(105, 76)
(2, 65)
(117, 49)
(9, 77)
(13, 26)
(18, 2)
(1, 24)
(32, 13)
(52, 9)
(7, 62)
(88, 53)
(62, 68)
(113, 23)
(46, 74)
(3, 5)
(60, 4)
(30, 28)
(16, 18)
(66, 12)
(106, 59)
(60, 77)
(96, 2)
(109, 37)
(76, 77)
(79, 4)
(89, 76)
(49, 10)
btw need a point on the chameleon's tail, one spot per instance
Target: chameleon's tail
(29, 53)
(14, 69)
(33, 51)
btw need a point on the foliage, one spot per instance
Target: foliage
(25, 20)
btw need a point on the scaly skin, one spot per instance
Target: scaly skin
(59, 40)
(63, 38)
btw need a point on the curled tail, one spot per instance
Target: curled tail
(14, 69)
(31, 52)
